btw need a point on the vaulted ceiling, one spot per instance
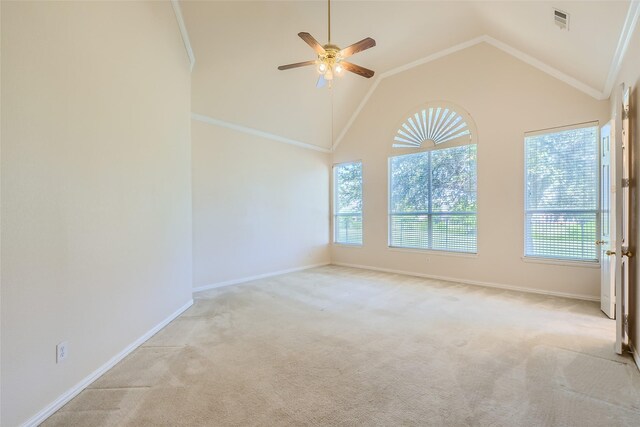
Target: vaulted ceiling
(238, 46)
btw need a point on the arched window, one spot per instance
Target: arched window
(433, 186)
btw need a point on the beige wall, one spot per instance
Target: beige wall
(630, 76)
(506, 98)
(96, 204)
(259, 206)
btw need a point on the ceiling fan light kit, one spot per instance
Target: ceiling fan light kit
(330, 61)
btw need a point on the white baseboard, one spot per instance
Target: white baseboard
(63, 399)
(473, 282)
(634, 353)
(257, 277)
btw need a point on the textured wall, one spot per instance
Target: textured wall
(259, 206)
(96, 203)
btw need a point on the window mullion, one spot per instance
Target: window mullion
(429, 203)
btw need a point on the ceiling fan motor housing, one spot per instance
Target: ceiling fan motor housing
(331, 54)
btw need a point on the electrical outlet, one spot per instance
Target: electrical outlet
(62, 351)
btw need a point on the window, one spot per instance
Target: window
(561, 200)
(347, 203)
(433, 200)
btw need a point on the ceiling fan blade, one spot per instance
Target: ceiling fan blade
(296, 65)
(308, 38)
(363, 44)
(364, 72)
(322, 82)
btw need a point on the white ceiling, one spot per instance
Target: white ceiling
(238, 46)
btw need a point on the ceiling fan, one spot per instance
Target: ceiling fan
(330, 62)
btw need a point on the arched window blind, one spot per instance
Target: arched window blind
(435, 124)
(433, 192)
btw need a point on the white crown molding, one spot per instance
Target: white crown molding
(256, 132)
(356, 112)
(183, 32)
(441, 54)
(623, 43)
(554, 72)
(583, 87)
(257, 277)
(397, 70)
(65, 397)
(473, 282)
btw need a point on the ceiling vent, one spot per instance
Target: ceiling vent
(561, 19)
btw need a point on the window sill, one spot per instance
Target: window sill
(348, 245)
(432, 252)
(562, 262)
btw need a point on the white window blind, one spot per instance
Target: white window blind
(433, 200)
(561, 200)
(347, 197)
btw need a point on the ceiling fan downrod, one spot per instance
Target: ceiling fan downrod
(329, 20)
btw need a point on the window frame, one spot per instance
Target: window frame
(434, 251)
(550, 259)
(334, 204)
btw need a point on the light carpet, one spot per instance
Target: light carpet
(338, 346)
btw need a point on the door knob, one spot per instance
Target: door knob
(600, 242)
(610, 252)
